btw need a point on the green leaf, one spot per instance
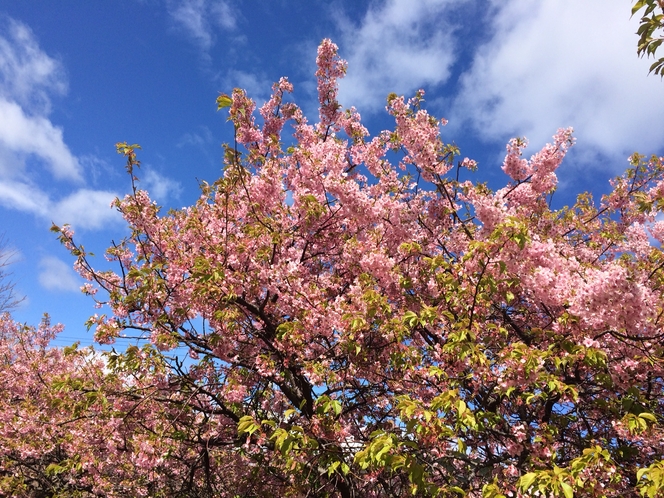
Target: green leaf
(638, 6)
(224, 101)
(410, 318)
(332, 468)
(567, 490)
(247, 425)
(527, 480)
(648, 416)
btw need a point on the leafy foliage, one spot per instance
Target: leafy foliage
(652, 21)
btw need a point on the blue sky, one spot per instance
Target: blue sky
(77, 77)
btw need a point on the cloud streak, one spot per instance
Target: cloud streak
(199, 19)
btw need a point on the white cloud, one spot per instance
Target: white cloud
(23, 134)
(84, 208)
(160, 187)
(399, 46)
(23, 197)
(552, 64)
(28, 78)
(57, 275)
(199, 18)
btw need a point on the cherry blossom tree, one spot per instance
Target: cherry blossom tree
(346, 315)
(74, 422)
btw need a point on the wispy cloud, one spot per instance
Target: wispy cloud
(57, 275)
(399, 46)
(28, 79)
(204, 137)
(222, 15)
(199, 19)
(159, 186)
(84, 208)
(27, 74)
(257, 86)
(552, 64)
